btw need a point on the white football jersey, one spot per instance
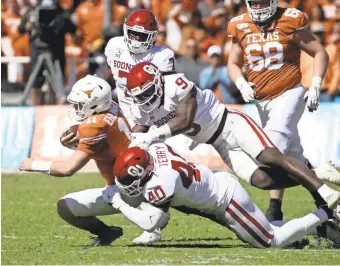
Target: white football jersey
(186, 184)
(208, 115)
(121, 61)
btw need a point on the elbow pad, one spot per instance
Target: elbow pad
(159, 218)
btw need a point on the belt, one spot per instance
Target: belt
(219, 129)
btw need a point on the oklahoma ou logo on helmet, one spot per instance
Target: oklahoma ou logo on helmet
(136, 170)
(150, 69)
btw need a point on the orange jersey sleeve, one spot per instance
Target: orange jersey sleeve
(272, 58)
(104, 136)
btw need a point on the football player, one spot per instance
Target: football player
(175, 105)
(103, 134)
(165, 179)
(122, 53)
(268, 41)
(137, 45)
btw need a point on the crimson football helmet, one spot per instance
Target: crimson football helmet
(140, 31)
(132, 170)
(145, 86)
(266, 9)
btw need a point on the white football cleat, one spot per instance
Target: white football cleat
(148, 238)
(327, 172)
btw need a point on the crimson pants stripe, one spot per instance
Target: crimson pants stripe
(256, 128)
(247, 228)
(251, 219)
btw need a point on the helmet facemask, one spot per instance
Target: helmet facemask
(263, 14)
(139, 40)
(151, 96)
(135, 188)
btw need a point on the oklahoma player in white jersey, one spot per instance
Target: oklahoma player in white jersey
(176, 106)
(165, 179)
(268, 40)
(137, 45)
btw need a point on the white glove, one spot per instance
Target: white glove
(246, 89)
(142, 140)
(111, 195)
(312, 96)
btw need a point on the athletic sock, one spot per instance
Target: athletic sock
(275, 204)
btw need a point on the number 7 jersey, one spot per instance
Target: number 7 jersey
(271, 57)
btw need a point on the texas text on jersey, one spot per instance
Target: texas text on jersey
(271, 57)
(104, 136)
(185, 184)
(209, 111)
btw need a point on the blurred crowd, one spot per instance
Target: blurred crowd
(194, 29)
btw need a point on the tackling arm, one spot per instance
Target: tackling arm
(57, 168)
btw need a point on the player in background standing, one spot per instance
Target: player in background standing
(165, 179)
(268, 40)
(103, 134)
(137, 45)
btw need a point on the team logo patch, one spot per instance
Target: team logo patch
(136, 170)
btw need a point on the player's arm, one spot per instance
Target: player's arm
(140, 129)
(235, 63)
(68, 167)
(185, 113)
(149, 217)
(309, 44)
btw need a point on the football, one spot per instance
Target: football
(72, 129)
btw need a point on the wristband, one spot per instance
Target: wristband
(316, 82)
(162, 132)
(42, 166)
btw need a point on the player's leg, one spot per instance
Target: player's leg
(252, 139)
(250, 224)
(279, 119)
(80, 210)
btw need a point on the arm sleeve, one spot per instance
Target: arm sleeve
(148, 219)
(183, 87)
(92, 137)
(169, 62)
(302, 22)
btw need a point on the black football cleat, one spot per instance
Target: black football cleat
(274, 214)
(108, 237)
(330, 230)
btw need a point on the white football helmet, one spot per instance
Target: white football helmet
(262, 14)
(88, 96)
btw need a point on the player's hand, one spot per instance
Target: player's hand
(69, 139)
(142, 140)
(26, 165)
(111, 195)
(246, 89)
(312, 96)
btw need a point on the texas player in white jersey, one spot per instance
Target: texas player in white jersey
(137, 45)
(176, 106)
(165, 179)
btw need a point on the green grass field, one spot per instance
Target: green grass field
(32, 232)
